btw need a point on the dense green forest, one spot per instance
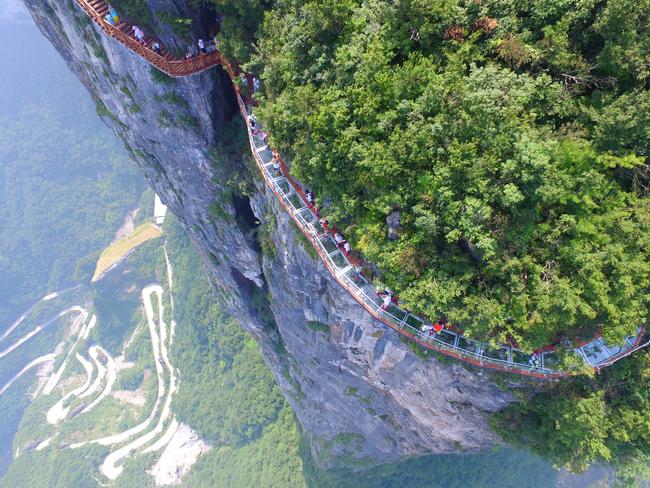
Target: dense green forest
(488, 125)
(65, 181)
(65, 184)
(512, 139)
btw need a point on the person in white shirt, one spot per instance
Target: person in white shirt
(276, 166)
(138, 34)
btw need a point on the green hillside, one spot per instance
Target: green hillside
(65, 185)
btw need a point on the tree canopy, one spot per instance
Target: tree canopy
(511, 138)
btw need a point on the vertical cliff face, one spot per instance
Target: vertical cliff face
(360, 392)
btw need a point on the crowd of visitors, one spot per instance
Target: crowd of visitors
(204, 47)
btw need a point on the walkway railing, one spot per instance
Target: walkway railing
(506, 358)
(544, 365)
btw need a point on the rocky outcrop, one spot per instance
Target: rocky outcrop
(183, 450)
(393, 223)
(362, 394)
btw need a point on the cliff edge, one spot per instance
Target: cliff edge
(362, 395)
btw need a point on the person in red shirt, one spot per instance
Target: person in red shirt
(437, 327)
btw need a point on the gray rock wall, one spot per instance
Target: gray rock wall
(360, 392)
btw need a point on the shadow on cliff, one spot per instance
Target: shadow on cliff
(505, 468)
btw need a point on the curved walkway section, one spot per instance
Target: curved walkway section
(163, 60)
(543, 365)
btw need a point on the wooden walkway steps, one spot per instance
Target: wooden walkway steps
(164, 61)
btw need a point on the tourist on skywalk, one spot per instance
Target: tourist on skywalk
(386, 297)
(138, 34)
(201, 44)
(310, 198)
(114, 16)
(437, 327)
(346, 248)
(338, 238)
(155, 47)
(357, 273)
(211, 45)
(252, 121)
(324, 223)
(276, 166)
(534, 361)
(256, 84)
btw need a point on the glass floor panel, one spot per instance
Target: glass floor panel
(370, 295)
(446, 337)
(614, 350)
(308, 216)
(520, 358)
(351, 277)
(266, 156)
(551, 361)
(467, 345)
(284, 185)
(500, 353)
(398, 313)
(339, 260)
(349, 282)
(595, 352)
(390, 318)
(296, 201)
(415, 322)
(329, 245)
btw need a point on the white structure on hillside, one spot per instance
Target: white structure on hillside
(159, 211)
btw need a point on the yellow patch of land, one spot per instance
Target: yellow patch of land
(117, 251)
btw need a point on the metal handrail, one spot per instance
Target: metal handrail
(430, 342)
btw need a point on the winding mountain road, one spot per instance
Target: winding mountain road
(42, 326)
(110, 379)
(110, 467)
(46, 298)
(43, 359)
(56, 377)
